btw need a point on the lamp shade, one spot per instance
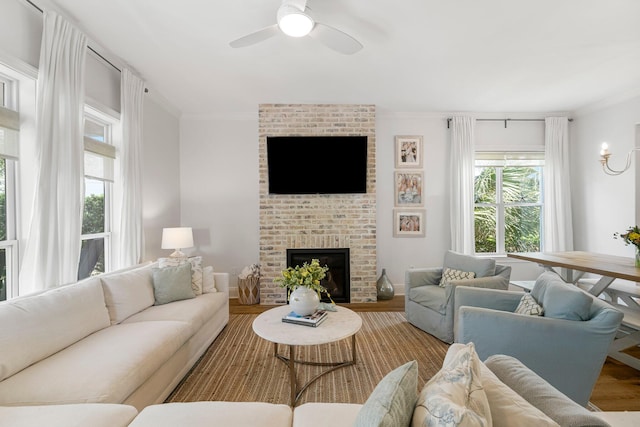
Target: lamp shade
(177, 238)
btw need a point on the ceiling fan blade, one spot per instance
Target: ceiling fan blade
(335, 39)
(256, 37)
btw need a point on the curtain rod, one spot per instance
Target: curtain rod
(88, 47)
(502, 120)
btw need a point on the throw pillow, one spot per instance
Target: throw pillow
(172, 284)
(208, 280)
(449, 274)
(455, 395)
(529, 306)
(564, 301)
(391, 402)
(196, 269)
(507, 405)
(483, 267)
(540, 393)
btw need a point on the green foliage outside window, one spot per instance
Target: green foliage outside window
(521, 204)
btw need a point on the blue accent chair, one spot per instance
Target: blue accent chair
(566, 346)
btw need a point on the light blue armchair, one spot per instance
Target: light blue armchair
(431, 307)
(569, 354)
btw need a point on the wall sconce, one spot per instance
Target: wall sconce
(177, 238)
(604, 160)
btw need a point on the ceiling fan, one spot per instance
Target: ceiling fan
(293, 21)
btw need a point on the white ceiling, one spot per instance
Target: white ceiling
(418, 56)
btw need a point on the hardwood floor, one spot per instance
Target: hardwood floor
(617, 388)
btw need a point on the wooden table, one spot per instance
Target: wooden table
(338, 325)
(573, 265)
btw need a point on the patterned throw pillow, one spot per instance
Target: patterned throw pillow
(391, 402)
(529, 306)
(450, 274)
(196, 269)
(455, 395)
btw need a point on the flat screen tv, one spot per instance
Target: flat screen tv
(317, 164)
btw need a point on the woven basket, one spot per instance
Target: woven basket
(249, 290)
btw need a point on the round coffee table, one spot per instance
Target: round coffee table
(338, 325)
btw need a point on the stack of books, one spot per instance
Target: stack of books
(312, 320)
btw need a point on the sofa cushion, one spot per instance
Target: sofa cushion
(391, 402)
(564, 301)
(454, 394)
(106, 366)
(195, 312)
(172, 284)
(77, 415)
(449, 274)
(26, 337)
(482, 267)
(205, 414)
(325, 414)
(127, 292)
(430, 296)
(529, 306)
(540, 393)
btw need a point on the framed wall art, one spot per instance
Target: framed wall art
(409, 222)
(409, 151)
(408, 188)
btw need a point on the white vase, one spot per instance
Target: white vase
(304, 301)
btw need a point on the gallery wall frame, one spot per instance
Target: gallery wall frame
(408, 188)
(409, 222)
(408, 151)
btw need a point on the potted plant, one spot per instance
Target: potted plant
(631, 237)
(304, 286)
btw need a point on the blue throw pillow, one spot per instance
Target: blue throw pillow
(564, 301)
(172, 284)
(392, 401)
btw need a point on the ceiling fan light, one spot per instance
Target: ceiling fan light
(293, 22)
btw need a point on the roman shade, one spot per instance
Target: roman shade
(9, 132)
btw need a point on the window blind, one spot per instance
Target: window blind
(99, 159)
(9, 133)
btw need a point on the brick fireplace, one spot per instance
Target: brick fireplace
(328, 221)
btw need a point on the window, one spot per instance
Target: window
(9, 131)
(508, 202)
(96, 220)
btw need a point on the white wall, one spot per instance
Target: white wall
(20, 37)
(604, 204)
(219, 189)
(160, 176)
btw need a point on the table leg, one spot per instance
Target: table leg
(292, 374)
(353, 349)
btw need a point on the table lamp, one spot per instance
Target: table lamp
(177, 238)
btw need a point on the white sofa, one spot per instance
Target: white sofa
(102, 340)
(506, 406)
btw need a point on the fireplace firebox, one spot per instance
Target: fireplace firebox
(337, 280)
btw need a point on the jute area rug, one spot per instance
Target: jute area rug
(240, 366)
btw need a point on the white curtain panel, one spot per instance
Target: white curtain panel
(558, 227)
(461, 172)
(130, 240)
(53, 245)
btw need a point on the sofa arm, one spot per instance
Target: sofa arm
(222, 282)
(494, 299)
(415, 277)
